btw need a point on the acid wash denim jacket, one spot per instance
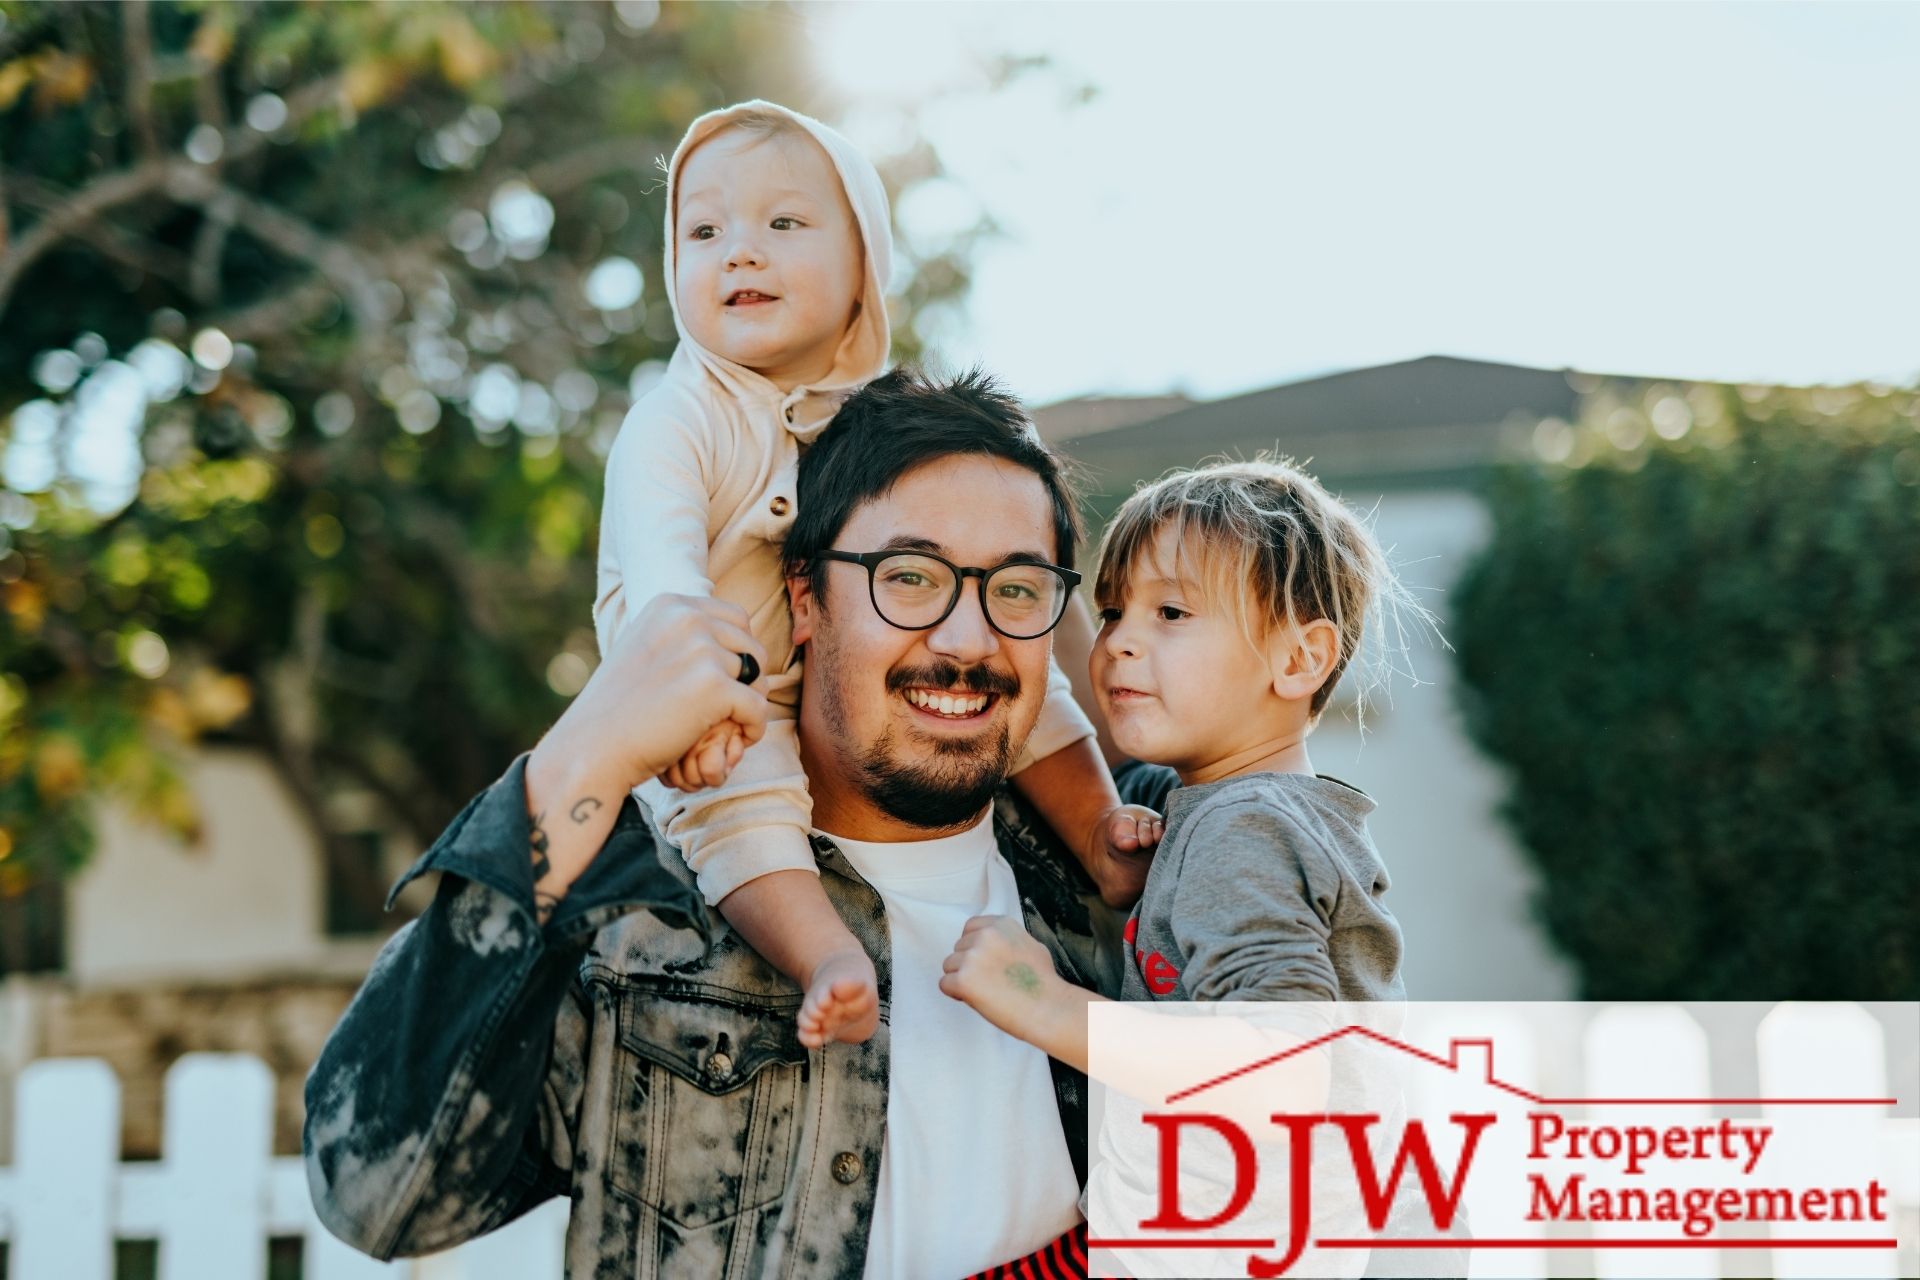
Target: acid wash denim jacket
(634, 1055)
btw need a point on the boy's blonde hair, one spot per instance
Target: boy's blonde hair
(1266, 542)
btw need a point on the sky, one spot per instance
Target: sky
(1256, 193)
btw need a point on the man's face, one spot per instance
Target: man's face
(883, 765)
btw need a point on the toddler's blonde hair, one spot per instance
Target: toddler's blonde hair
(1266, 542)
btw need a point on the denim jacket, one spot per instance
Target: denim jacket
(633, 1054)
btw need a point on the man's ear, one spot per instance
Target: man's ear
(1300, 661)
(800, 604)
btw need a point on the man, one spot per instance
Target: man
(551, 1026)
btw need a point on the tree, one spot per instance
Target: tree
(315, 324)
(1694, 641)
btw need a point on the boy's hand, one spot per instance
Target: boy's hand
(708, 761)
(1006, 976)
(1121, 849)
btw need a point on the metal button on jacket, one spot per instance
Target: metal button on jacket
(778, 506)
(846, 1167)
(719, 1067)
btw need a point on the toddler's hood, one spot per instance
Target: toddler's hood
(863, 351)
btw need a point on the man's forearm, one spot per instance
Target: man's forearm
(571, 805)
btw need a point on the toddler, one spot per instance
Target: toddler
(1231, 599)
(778, 253)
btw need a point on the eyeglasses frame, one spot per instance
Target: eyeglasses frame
(871, 560)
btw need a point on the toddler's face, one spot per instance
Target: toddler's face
(1174, 673)
(768, 264)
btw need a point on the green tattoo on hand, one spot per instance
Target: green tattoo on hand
(1023, 977)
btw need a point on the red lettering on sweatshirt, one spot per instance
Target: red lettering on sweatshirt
(1156, 970)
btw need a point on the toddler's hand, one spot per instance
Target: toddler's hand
(1006, 976)
(708, 761)
(1124, 842)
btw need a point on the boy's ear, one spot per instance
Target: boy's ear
(800, 604)
(1299, 661)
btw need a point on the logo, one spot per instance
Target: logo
(1387, 1128)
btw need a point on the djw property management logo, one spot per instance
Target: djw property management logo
(1315, 1189)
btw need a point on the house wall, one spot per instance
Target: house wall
(245, 902)
(1460, 884)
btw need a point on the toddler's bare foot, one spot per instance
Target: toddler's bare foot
(843, 1000)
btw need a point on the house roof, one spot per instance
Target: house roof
(1434, 419)
(1090, 415)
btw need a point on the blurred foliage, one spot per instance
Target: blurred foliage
(1695, 643)
(316, 321)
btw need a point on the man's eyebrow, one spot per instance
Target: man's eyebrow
(908, 542)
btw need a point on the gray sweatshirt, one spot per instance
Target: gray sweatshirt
(1265, 887)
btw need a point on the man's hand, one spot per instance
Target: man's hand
(672, 676)
(1120, 851)
(1009, 979)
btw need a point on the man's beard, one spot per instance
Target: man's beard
(951, 789)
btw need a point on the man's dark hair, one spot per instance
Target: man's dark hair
(900, 421)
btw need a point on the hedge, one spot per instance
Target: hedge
(1693, 640)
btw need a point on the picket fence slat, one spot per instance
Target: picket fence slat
(217, 1140)
(66, 1153)
(1835, 1050)
(1647, 1051)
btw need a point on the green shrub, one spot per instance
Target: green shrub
(1694, 642)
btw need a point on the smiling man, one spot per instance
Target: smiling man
(546, 1030)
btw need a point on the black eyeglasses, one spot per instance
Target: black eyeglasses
(916, 590)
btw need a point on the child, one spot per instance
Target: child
(778, 253)
(1231, 599)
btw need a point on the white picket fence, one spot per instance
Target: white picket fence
(218, 1196)
(212, 1202)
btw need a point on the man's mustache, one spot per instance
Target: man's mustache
(947, 675)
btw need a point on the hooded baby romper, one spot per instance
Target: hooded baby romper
(700, 493)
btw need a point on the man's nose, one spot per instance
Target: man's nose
(964, 634)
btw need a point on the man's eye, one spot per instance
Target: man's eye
(791, 223)
(1017, 591)
(906, 578)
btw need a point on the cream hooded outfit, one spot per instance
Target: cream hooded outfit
(700, 494)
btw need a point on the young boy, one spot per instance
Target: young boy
(778, 252)
(1231, 599)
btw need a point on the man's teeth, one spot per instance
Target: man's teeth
(947, 704)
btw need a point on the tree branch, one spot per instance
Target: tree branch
(86, 204)
(136, 32)
(117, 242)
(338, 261)
(209, 247)
(125, 185)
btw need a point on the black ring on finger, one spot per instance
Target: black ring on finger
(749, 669)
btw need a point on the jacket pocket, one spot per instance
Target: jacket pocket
(707, 1108)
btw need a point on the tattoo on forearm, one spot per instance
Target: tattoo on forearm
(584, 808)
(538, 839)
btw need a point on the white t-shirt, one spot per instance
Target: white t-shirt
(974, 1169)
